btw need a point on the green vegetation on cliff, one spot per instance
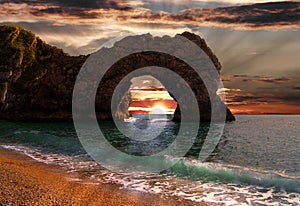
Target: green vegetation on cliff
(34, 76)
(19, 40)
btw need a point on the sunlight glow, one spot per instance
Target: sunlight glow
(158, 110)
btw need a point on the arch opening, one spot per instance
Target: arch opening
(149, 100)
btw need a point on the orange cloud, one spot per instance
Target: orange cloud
(267, 15)
(146, 106)
(276, 96)
(84, 23)
(269, 108)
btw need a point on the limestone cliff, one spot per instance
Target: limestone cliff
(36, 79)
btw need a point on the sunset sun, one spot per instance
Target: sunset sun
(158, 110)
(149, 96)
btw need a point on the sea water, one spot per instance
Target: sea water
(255, 163)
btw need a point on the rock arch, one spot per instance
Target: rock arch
(37, 80)
(134, 61)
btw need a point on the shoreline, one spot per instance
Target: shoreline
(25, 181)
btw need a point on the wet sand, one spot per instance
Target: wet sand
(24, 181)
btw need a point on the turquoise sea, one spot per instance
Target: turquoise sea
(257, 161)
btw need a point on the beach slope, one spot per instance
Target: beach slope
(24, 181)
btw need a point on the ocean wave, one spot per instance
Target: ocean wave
(187, 179)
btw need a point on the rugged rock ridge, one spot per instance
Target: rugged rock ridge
(37, 80)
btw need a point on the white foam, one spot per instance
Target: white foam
(162, 184)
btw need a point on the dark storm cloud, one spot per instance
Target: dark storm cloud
(50, 26)
(256, 15)
(246, 99)
(279, 87)
(272, 80)
(171, 7)
(78, 8)
(260, 14)
(288, 98)
(266, 92)
(83, 4)
(240, 75)
(277, 14)
(88, 4)
(62, 11)
(259, 79)
(296, 88)
(266, 15)
(258, 98)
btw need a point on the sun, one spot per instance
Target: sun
(158, 110)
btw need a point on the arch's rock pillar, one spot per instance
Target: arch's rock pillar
(205, 107)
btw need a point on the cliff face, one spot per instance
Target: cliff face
(37, 80)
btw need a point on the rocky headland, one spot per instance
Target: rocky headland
(37, 80)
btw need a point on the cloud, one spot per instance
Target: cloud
(296, 88)
(273, 80)
(267, 15)
(261, 94)
(175, 6)
(258, 79)
(150, 103)
(82, 4)
(248, 99)
(81, 27)
(274, 15)
(257, 102)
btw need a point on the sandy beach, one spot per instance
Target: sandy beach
(24, 181)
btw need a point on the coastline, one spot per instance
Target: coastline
(24, 181)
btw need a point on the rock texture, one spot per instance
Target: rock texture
(130, 63)
(37, 80)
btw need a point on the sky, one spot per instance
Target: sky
(258, 45)
(149, 94)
